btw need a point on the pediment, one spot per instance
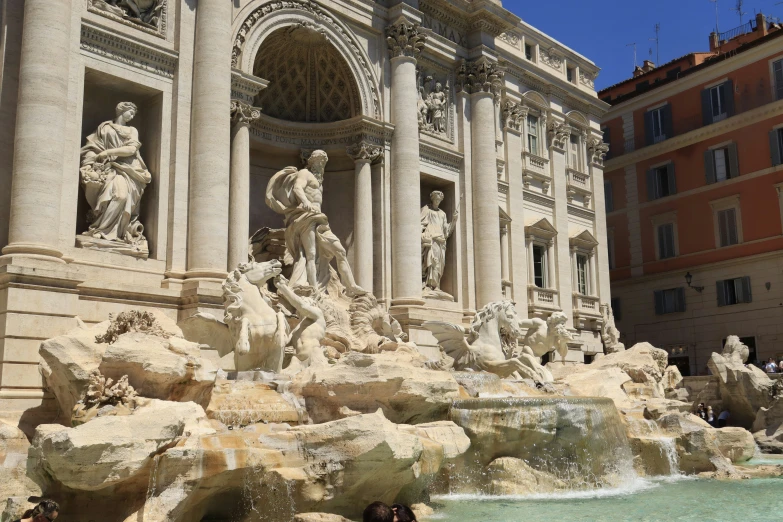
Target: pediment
(584, 240)
(541, 228)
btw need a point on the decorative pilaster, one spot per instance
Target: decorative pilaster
(514, 119)
(242, 115)
(483, 80)
(405, 43)
(363, 154)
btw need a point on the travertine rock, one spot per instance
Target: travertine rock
(607, 382)
(169, 369)
(511, 476)
(643, 363)
(671, 378)
(109, 450)
(319, 517)
(240, 403)
(396, 382)
(768, 427)
(14, 481)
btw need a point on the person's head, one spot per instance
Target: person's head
(701, 406)
(436, 196)
(316, 163)
(771, 360)
(48, 509)
(709, 409)
(127, 110)
(378, 512)
(403, 513)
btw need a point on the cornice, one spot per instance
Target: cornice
(539, 199)
(325, 135)
(441, 157)
(698, 135)
(584, 213)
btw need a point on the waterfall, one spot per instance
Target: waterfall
(663, 459)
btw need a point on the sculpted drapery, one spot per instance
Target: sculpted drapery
(435, 230)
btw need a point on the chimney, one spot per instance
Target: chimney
(761, 24)
(638, 71)
(648, 66)
(714, 43)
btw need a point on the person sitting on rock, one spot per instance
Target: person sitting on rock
(701, 412)
(46, 510)
(723, 419)
(711, 420)
(378, 512)
(403, 513)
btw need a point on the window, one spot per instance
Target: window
(532, 134)
(661, 182)
(574, 156)
(539, 266)
(776, 146)
(666, 242)
(673, 73)
(643, 86)
(721, 163)
(581, 274)
(777, 71)
(717, 102)
(608, 196)
(670, 301)
(734, 291)
(657, 123)
(727, 227)
(529, 52)
(610, 248)
(617, 311)
(570, 74)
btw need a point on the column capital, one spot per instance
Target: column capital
(514, 114)
(405, 39)
(243, 113)
(364, 151)
(559, 134)
(597, 150)
(481, 75)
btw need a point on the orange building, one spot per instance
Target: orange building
(694, 198)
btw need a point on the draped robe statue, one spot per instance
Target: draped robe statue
(114, 177)
(435, 230)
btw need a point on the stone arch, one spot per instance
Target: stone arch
(536, 99)
(578, 118)
(260, 19)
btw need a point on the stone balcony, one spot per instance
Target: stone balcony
(587, 312)
(542, 301)
(578, 183)
(536, 168)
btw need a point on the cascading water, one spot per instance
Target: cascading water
(579, 441)
(646, 432)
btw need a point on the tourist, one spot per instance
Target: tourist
(378, 512)
(701, 412)
(711, 420)
(723, 418)
(403, 513)
(771, 366)
(45, 511)
(780, 366)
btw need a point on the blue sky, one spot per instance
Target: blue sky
(601, 30)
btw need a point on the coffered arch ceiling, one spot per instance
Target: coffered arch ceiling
(309, 80)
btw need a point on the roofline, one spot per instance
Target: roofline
(557, 42)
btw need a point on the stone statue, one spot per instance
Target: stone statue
(438, 105)
(298, 194)
(491, 343)
(610, 335)
(432, 106)
(435, 230)
(547, 336)
(114, 177)
(144, 12)
(306, 336)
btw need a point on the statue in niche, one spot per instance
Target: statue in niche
(433, 106)
(114, 177)
(435, 230)
(144, 12)
(297, 195)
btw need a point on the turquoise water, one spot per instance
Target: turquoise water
(685, 500)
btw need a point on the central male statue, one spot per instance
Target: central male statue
(297, 195)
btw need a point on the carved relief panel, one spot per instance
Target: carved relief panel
(147, 15)
(435, 101)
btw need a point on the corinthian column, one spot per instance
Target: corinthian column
(242, 115)
(39, 147)
(405, 43)
(482, 80)
(363, 154)
(210, 141)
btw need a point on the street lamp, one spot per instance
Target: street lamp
(689, 279)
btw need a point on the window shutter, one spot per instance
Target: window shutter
(648, 128)
(733, 161)
(706, 107)
(731, 227)
(720, 286)
(681, 299)
(661, 242)
(672, 178)
(671, 248)
(709, 166)
(728, 92)
(609, 196)
(747, 296)
(778, 69)
(774, 148)
(651, 192)
(659, 306)
(668, 127)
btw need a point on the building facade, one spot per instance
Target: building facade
(693, 198)
(405, 98)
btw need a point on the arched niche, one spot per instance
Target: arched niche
(533, 98)
(259, 20)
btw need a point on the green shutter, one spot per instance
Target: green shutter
(668, 121)
(747, 296)
(706, 107)
(774, 148)
(651, 192)
(659, 306)
(648, 128)
(728, 90)
(681, 299)
(720, 287)
(733, 161)
(709, 166)
(672, 178)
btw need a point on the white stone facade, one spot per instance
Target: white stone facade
(510, 134)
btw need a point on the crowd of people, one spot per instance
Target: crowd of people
(381, 512)
(707, 414)
(773, 367)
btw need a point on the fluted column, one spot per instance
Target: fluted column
(363, 155)
(242, 115)
(405, 43)
(39, 146)
(210, 142)
(482, 79)
(504, 253)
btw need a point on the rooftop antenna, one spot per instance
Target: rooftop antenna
(738, 9)
(717, 31)
(634, 53)
(657, 47)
